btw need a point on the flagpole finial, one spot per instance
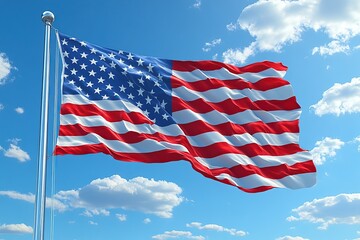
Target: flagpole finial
(48, 17)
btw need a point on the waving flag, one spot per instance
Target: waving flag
(237, 125)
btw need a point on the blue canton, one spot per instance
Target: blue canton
(105, 74)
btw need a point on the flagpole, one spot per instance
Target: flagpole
(40, 197)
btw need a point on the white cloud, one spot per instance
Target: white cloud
(291, 238)
(218, 228)
(1, 106)
(138, 194)
(177, 234)
(58, 205)
(331, 48)
(95, 212)
(325, 148)
(276, 23)
(340, 99)
(15, 151)
(209, 45)
(15, 229)
(101, 195)
(121, 217)
(339, 209)
(234, 56)
(357, 140)
(19, 110)
(197, 4)
(93, 223)
(147, 220)
(5, 68)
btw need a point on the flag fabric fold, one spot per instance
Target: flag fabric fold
(236, 125)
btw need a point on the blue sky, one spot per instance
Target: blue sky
(317, 39)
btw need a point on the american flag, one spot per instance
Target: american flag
(236, 125)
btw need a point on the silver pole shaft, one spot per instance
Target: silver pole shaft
(40, 198)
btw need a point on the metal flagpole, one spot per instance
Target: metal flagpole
(40, 198)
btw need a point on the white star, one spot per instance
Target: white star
(122, 88)
(66, 65)
(73, 71)
(111, 75)
(140, 91)
(93, 50)
(109, 87)
(102, 57)
(141, 81)
(72, 82)
(156, 108)
(97, 90)
(101, 80)
(79, 88)
(84, 55)
(83, 43)
(81, 78)
(89, 84)
(74, 60)
(105, 97)
(148, 100)
(131, 67)
(131, 84)
(92, 73)
(139, 104)
(93, 61)
(140, 62)
(112, 64)
(121, 61)
(160, 77)
(64, 42)
(103, 68)
(83, 66)
(157, 84)
(74, 49)
(165, 116)
(150, 67)
(163, 103)
(146, 112)
(130, 56)
(66, 54)
(147, 77)
(111, 55)
(130, 96)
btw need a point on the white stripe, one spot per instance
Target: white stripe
(238, 140)
(200, 140)
(224, 93)
(232, 159)
(146, 146)
(247, 116)
(108, 105)
(224, 74)
(253, 181)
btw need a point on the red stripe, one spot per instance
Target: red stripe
(110, 116)
(273, 172)
(188, 66)
(232, 106)
(213, 150)
(236, 84)
(228, 128)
